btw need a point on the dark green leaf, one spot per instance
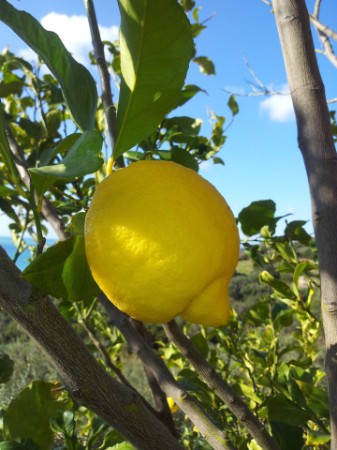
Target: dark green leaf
(185, 159)
(63, 147)
(63, 271)
(27, 416)
(82, 158)
(188, 92)
(282, 410)
(77, 84)
(186, 125)
(205, 64)
(6, 368)
(201, 343)
(289, 437)
(256, 215)
(316, 398)
(295, 231)
(232, 104)
(156, 45)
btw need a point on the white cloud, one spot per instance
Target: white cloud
(279, 108)
(75, 34)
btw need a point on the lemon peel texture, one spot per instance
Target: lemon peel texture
(161, 241)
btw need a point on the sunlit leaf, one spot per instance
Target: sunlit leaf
(83, 158)
(78, 86)
(278, 286)
(156, 45)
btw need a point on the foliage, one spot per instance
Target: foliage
(271, 351)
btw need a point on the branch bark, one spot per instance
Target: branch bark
(83, 376)
(107, 99)
(166, 380)
(320, 159)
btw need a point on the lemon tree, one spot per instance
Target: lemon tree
(161, 241)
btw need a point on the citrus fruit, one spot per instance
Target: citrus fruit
(160, 242)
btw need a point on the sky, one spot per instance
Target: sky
(262, 160)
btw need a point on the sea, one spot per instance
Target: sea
(23, 260)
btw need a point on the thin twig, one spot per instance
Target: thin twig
(323, 28)
(107, 98)
(317, 8)
(222, 389)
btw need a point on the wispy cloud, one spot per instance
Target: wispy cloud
(279, 107)
(74, 33)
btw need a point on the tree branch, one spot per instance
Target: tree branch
(220, 387)
(107, 99)
(83, 376)
(48, 210)
(166, 380)
(320, 158)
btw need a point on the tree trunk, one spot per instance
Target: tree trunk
(320, 159)
(84, 377)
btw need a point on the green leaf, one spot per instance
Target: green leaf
(64, 146)
(233, 106)
(78, 86)
(281, 289)
(316, 398)
(6, 368)
(256, 215)
(201, 344)
(63, 271)
(282, 410)
(317, 438)
(27, 416)
(188, 92)
(295, 231)
(289, 437)
(205, 64)
(184, 158)
(122, 446)
(156, 45)
(81, 160)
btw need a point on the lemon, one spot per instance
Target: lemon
(161, 241)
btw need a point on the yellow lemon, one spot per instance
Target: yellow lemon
(161, 241)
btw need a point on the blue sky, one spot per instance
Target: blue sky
(261, 157)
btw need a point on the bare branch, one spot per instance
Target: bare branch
(107, 99)
(319, 154)
(323, 28)
(317, 8)
(221, 388)
(165, 379)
